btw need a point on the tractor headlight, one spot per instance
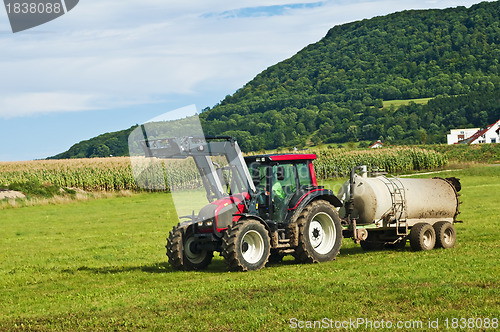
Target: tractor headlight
(205, 223)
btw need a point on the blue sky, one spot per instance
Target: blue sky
(109, 64)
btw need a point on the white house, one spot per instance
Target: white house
(490, 134)
(457, 135)
(378, 144)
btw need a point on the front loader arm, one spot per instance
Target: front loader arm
(201, 149)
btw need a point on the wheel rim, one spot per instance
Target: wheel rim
(448, 236)
(252, 246)
(322, 233)
(194, 257)
(428, 238)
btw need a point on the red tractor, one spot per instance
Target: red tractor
(260, 208)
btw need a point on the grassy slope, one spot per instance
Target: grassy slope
(100, 265)
(398, 103)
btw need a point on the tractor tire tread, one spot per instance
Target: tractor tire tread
(300, 254)
(174, 247)
(228, 246)
(175, 252)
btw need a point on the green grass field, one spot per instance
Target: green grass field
(101, 265)
(398, 103)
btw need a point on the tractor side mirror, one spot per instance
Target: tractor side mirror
(280, 173)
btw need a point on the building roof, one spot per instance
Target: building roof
(377, 142)
(478, 134)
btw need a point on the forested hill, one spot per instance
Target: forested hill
(333, 90)
(105, 145)
(337, 84)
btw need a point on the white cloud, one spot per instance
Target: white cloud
(30, 103)
(112, 53)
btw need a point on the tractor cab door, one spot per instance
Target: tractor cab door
(283, 187)
(296, 183)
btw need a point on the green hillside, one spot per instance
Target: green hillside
(334, 90)
(105, 145)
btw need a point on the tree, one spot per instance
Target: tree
(423, 136)
(396, 132)
(101, 151)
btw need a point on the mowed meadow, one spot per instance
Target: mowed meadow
(100, 265)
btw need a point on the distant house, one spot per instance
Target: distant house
(490, 134)
(457, 135)
(377, 145)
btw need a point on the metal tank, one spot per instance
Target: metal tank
(386, 200)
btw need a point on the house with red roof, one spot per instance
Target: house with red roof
(457, 135)
(378, 144)
(490, 134)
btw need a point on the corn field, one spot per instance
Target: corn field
(96, 174)
(337, 163)
(113, 174)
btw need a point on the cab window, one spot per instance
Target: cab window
(304, 174)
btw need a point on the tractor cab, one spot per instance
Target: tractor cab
(281, 181)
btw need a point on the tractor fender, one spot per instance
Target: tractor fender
(307, 198)
(253, 216)
(185, 224)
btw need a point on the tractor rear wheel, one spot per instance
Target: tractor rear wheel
(182, 252)
(446, 235)
(422, 237)
(246, 245)
(320, 233)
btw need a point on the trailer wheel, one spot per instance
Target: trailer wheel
(422, 237)
(246, 246)
(182, 252)
(320, 233)
(446, 235)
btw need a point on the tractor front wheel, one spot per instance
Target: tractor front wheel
(183, 253)
(246, 246)
(320, 233)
